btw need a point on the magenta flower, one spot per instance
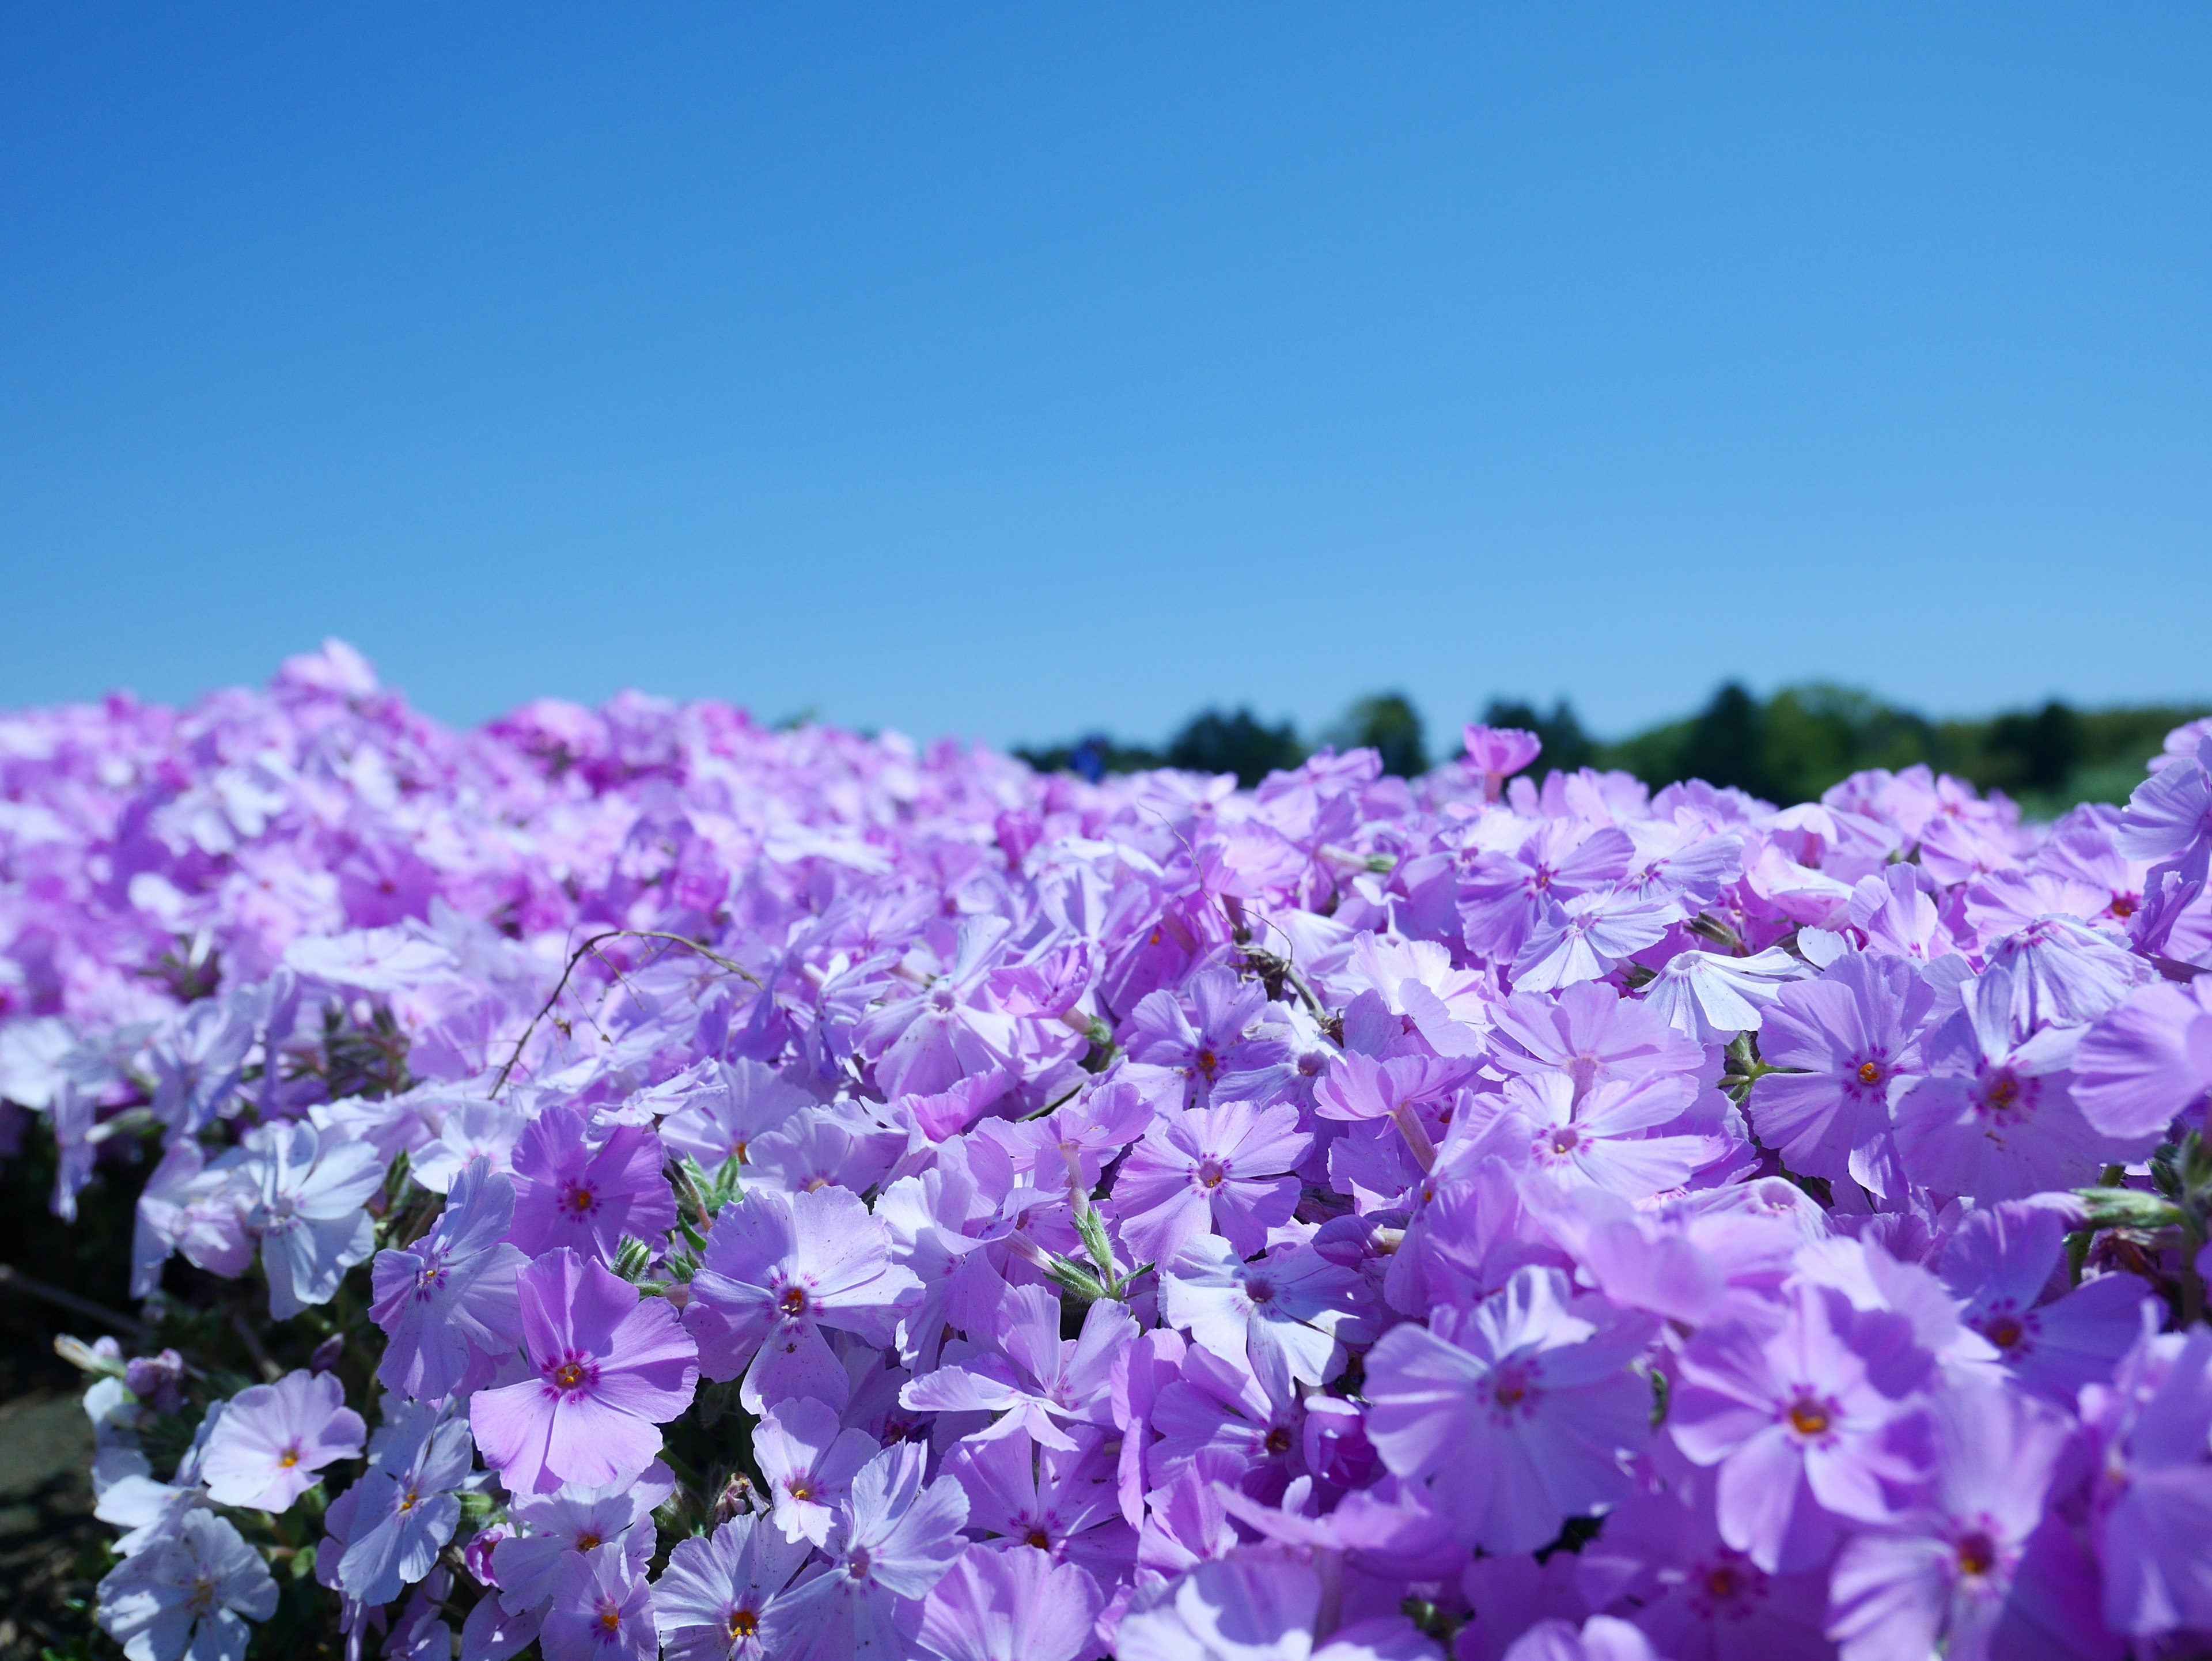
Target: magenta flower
(1521, 1411)
(1973, 1572)
(719, 1600)
(569, 1194)
(778, 1268)
(1808, 1423)
(1226, 1167)
(447, 1304)
(2148, 1062)
(1851, 1038)
(611, 1368)
(272, 1440)
(1010, 1606)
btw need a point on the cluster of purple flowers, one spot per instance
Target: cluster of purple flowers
(810, 1197)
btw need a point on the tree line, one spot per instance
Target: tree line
(1788, 747)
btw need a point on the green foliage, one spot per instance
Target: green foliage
(1239, 744)
(1388, 724)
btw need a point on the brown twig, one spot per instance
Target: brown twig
(590, 948)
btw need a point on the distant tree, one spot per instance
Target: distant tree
(1091, 757)
(1725, 744)
(1214, 743)
(2035, 752)
(1389, 723)
(1566, 746)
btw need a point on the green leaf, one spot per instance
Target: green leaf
(2127, 1207)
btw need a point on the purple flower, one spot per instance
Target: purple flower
(1850, 1036)
(404, 1510)
(1224, 1167)
(896, 1544)
(1600, 1638)
(611, 1369)
(570, 1194)
(1043, 1378)
(2002, 1264)
(1287, 1316)
(2154, 1505)
(1599, 1142)
(447, 1304)
(2059, 971)
(742, 1100)
(1161, 1035)
(2168, 819)
(1585, 937)
(563, 1529)
(1058, 1504)
(1521, 1410)
(1592, 1034)
(720, 1595)
(303, 1200)
(1973, 1571)
(187, 1206)
(809, 1462)
(185, 1593)
(604, 1614)
(1710, 998)
(778, 1268)
(1808, 1423)
(2148, 1062)
(1995, 1118)
(272, 1439)
(1010, 1606)
(1504, 897)
(1254, 1607)
(1695, 1597)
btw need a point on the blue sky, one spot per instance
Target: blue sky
(1011, 371)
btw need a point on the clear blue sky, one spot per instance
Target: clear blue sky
(1011, 371)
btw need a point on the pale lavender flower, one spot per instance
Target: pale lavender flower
(778, 1268)
(1808, 1423)
(1226, 1167)
(809, 1462)
(1600, 1140)
(2148, 1062)
(1710, 998)
(189, 1593)
(1010, 1606)
(273, 1440)
(1520, 1411)
(740, 1101)
(405, 1510)
(605, 1613)
(2006, 1262)
(188, 1205)
(719, 1600)
(1600, 1638)
(303, 1200)
(2153, 1513)
(2059, 971)
(1996, 1117)
(1286, 1316)
(1582, 938)
(1973, 1572)
(895, 1543)
(2168, 819)
(569, 1192)
(447, 1304)
(1041, 1379)
(560, 1531)
(1850, 1037)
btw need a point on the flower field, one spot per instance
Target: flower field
(631, 1182)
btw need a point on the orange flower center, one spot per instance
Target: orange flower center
(1809, 1418)
(568, 1375)
(1869, 1072)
